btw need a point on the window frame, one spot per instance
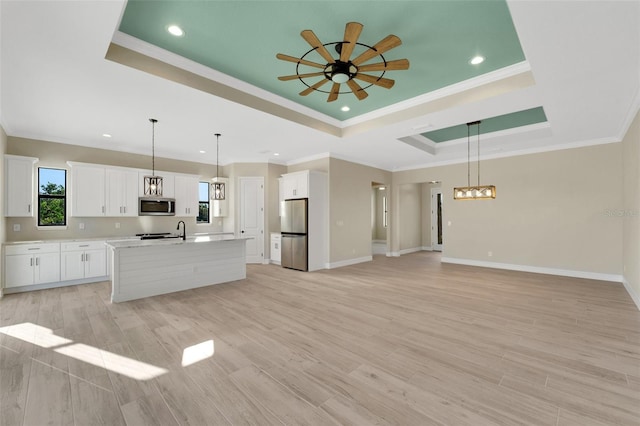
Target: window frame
(52, 197)
(208, 202)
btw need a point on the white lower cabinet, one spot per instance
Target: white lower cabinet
(275, 248)
(30, 264)
(83, 260)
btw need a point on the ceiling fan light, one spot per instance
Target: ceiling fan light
(339, 78)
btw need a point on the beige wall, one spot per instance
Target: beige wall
(3, 150)
(410, 198)
(630, 214)
(350, 208)
(57, 154)
(321, 165)
(550, 210)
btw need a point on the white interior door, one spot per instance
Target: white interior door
(436, 219)
(252, 216)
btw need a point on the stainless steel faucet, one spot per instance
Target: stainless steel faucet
(184, 230)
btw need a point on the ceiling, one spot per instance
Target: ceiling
(72, 71)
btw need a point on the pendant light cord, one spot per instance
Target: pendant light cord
(469, 154)
(217, 152)
(153, 145)
(478, 153)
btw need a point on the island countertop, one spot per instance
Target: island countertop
(173, 241)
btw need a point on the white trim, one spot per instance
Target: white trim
(472, 83)
(309, 158)
(409, 250)
(275, 262)
(634, 296)
(54, 284)
(348, 262)
(426, 248)
(52, 228)
(631, 114)
(535, 269)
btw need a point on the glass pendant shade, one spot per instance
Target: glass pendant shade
(478, 192)
(217, 188)
(153, 183)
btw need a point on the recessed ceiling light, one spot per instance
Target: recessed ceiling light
(276, 153)
(175, 30)
(477, 60)
(345, 108)
(202, 152)
(106, 135)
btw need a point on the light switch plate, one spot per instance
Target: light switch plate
(16, 227)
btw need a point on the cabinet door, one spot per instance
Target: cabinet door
(302, 185)
(72, 265)
(87, 191)
(114, 192)
(186, 196)
(95, 263)
(47, 268)
(130, 193)
(18, 270)
(19, 187)
(289, 185)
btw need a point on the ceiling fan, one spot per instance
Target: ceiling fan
(343, 69)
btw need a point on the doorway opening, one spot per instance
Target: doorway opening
(436, 218)
(379, 217)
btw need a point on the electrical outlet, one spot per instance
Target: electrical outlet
(117, 225)
(81, 226)
(490, 254)
(16, 227)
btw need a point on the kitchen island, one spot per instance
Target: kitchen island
(143, 268)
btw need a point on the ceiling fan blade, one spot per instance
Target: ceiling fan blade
(288, 58)
(387, 43)
(399, 64)
(296, 76)
(378, 81)
(335, 89)
(351, 33)
(310, 89)
(311, 38)
(357, 90)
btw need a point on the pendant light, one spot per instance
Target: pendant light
(153, 183)
(217, 188)
(478, 192)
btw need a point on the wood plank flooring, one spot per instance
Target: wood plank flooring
(397, 341)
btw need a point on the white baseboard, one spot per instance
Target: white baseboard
(274, 262)
(634, 296)
(535, 269)
(426, 248)
(348, 262)
(409, 250)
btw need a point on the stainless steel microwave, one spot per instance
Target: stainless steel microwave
(152, 206)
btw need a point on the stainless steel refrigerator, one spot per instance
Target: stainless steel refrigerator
(293, 227)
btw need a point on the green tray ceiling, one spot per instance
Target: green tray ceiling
(242, 38)
(490, 125)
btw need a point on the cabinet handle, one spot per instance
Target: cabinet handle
(275, 246)
(83, 245)
(37, 261)
(86, 257)
(34, 248)
(125, 209)
(31, 262)
(102, 209)
(29, 208)
(82, 257)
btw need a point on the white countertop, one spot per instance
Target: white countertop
(108, 239)
(174, 241)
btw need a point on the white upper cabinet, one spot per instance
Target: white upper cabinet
(87, 191)
(296, 185)
(121, 192)
(19, 186)
(186, 195)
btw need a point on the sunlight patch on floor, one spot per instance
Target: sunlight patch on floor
(44, 337)
(197, 353)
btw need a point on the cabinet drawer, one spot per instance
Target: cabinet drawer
(82, 245)
(32, 248)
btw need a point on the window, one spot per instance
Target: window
(384, 211)
(52, 197)
(203, 202)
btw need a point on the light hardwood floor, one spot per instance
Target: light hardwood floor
(397, 341)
